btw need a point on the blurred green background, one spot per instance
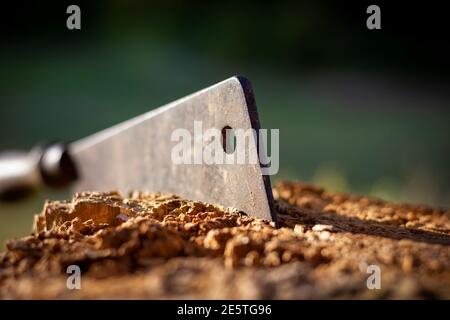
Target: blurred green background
(358, 110)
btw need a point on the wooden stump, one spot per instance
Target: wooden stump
(161, 246)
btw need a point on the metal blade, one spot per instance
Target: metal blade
(136, 154)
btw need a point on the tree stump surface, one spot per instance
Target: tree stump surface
(158, 246)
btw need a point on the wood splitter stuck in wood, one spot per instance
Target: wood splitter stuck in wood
(136, 155)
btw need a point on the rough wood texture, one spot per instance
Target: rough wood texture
(161, 246)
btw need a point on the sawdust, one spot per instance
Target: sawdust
(162, 246)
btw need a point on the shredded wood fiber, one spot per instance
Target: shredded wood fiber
(161, 246)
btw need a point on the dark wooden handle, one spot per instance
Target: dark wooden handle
(22, 172)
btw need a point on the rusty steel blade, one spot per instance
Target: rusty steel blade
(136, 154)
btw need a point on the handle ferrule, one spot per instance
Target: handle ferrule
(22, 172)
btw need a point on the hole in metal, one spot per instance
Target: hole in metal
(228, 139)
